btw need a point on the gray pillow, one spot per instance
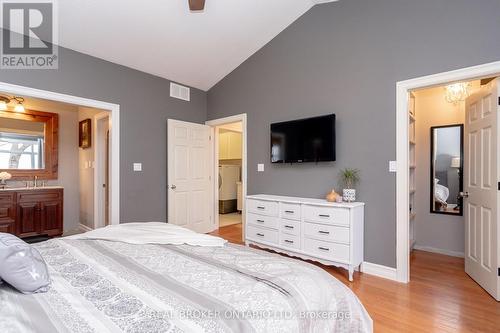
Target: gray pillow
(22, 266)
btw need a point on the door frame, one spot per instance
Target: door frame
(403, 89)
(99, 169)
(214, 124)
(13, 89)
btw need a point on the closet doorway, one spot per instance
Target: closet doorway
(475, 165)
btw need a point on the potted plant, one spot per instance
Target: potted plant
(349, 178)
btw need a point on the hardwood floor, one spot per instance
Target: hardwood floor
(439, 298)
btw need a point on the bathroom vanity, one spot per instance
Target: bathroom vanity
(27, 212)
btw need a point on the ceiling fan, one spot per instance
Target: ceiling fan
(196, 5)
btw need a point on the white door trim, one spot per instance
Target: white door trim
(99, 199)
(221, 121)
(115, 135)
(402, 177)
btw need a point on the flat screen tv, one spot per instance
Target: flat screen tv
(303, 140)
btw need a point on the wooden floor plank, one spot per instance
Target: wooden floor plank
(441, 297)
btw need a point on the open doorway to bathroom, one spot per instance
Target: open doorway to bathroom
(56, 194)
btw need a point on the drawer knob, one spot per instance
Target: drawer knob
(323, 248)
(259, 234)
(289, 226)
(289, 241)
(324, 232)
(261, 221)
(289, 211)
(260, 207)
(324, 215)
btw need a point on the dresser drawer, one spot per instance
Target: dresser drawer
(7, 198)
(290, 227)
(327, 250)
(261, 234)
(39, 195)
(262, 220)
(328, 215)
(290, 241)
(328, 233)
(290, 211)
(263, 207)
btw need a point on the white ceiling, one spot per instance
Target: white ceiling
(164, 38)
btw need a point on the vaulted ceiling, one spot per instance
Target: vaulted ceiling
(162, 37)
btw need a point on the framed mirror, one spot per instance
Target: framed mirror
(29, 144)
(446, 178)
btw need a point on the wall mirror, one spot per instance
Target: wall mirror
(446, 169)
(28, 144)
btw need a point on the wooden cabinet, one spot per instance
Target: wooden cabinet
(7, 212)
(32, 212)
(230, 145)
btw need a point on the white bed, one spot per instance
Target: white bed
(101, 282)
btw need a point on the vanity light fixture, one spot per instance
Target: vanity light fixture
(457, 92)
(4, 101)
(19, 106)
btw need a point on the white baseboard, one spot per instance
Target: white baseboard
(379, 270)
(84, 228)
(440, 251)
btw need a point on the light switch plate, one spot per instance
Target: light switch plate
(393, 167)
(137, 166)
(260, 167)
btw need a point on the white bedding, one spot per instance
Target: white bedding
(151, 233)
(104, 282)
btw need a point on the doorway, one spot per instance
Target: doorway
(480, 220)
(230, 165)
(113, 110)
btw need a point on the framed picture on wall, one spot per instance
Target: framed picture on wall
(85, 134)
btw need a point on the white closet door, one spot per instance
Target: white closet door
(480, 183)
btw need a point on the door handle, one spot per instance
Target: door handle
(464, 194)
(173, 187)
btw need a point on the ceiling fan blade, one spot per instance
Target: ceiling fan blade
(196, 5)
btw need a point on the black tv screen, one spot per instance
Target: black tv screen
(303, 140)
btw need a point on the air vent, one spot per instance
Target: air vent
(180, 92)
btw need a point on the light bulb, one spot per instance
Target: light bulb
(19, 108)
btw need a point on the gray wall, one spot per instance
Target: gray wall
(346, 58)
(145, 106)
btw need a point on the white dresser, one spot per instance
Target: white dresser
(314, 229)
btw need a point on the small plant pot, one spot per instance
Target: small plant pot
(349, 194)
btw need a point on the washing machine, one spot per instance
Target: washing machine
(229, 175)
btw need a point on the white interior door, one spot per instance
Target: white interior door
(480, 183)
(190, 191)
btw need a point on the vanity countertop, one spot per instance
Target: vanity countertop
(30, 188)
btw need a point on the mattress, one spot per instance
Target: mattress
(113, 286)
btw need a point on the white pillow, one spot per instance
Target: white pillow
(22, 266)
